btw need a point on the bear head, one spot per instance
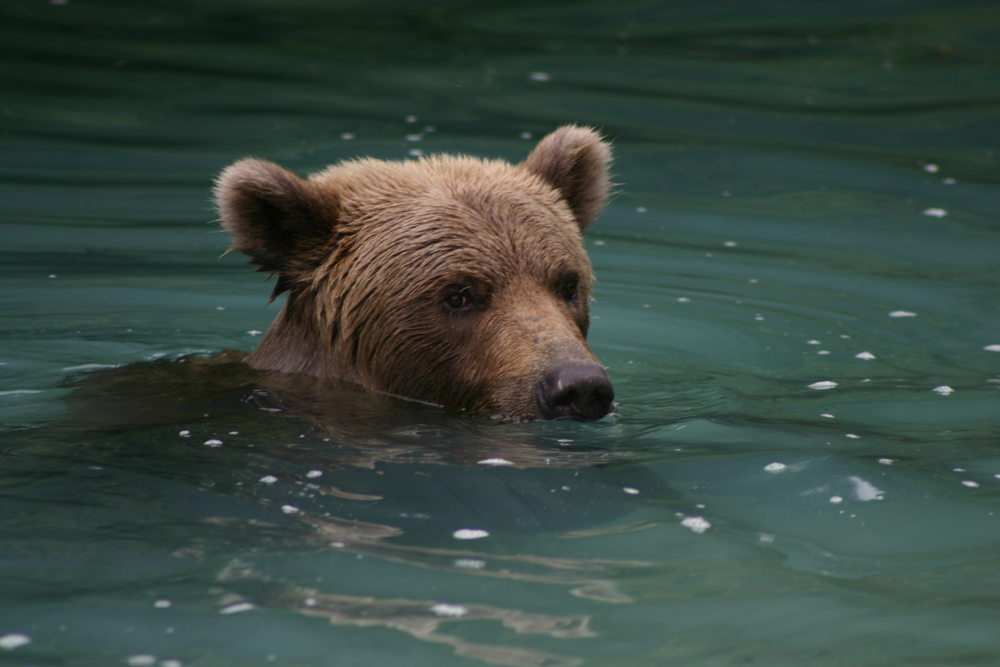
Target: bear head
(450, 280)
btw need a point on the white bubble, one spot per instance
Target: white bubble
(598, 242)
(141, 660)
(823, 352)
(852, 436)
(451, 610)
(13, 641)
(697, 524)
(470, 534)
(525, 135)
(162, 604)
(254, 332)
(495, 462)
(823, 385)
(865, 491)
(683, 299)
(185, 433)
(640, 209)
(944, 390)
(902, 313)
(411, 119)
(775, 467)
(347, 136)
(268, 479)
(414, 137)
(885, 462)
(836, 500)
(992, 348)
(236, 608)
(935, 212)
(289, 509)
(313, 474)
(931, 168)
(827, 415)
(470, 563)
(213, 442)
(730, 244)
(416, 152)
(969, 483)
(812, 342)
(867, 356)
(630, 490)
(539, 76)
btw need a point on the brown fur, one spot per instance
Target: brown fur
(370, 250)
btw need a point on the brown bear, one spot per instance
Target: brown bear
(451, 280)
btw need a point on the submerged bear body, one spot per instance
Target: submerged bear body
(451, 280)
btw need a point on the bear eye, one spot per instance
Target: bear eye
(458, 299)
(570, 289)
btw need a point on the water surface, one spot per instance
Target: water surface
(797, 302)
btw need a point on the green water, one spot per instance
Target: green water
(791, 173)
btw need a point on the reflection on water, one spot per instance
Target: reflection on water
(420, 618)
(796, 297)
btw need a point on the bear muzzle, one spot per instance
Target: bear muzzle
(577, 392)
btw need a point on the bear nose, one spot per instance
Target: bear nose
(580, 392)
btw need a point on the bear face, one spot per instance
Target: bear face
(450, 280)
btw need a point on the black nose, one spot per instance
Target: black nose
(580, 392)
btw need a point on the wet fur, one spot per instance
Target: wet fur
(368, 251)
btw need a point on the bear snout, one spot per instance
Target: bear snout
(577, 392)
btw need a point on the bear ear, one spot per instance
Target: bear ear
(574, 160)
(282, 222)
